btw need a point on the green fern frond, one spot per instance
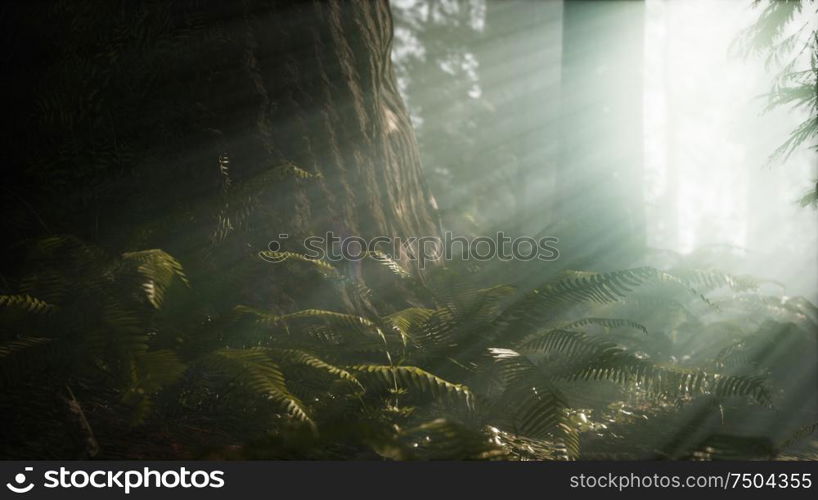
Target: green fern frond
(783, 309)
(256, 370)
(608, 323)
(64, 247)
(798, 435)
(295, 356)
(534, 309)
(438, 329)
(332, 317)
(809, 198)
(11, 347)
(26, 303)
(726, 386)
(159, 269)
(289, 169)
(393, 266)
(712, 279)
(537, 410)
(414, 378)
(568, 342)
(47, 283)
(513, 366)
(326, 269)
(442, 439)
(585, 358)
(124, 328)
(410, 322)
(343, 320)
(531, 406)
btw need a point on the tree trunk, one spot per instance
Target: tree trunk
(188, 119)
(327, 101)
(600, 172)
(520, 78)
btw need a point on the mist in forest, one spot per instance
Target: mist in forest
(485, 83)
(222, 230)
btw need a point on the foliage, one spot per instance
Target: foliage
(788, 38)
(468, 371)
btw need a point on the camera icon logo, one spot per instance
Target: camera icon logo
(273, 253)
(20, 478)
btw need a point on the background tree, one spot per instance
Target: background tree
(600, 168)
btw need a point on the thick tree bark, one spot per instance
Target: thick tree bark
(328, 102)
(180, 111)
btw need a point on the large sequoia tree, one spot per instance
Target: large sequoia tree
(178, 124)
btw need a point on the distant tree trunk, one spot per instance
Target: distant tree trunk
(520, 80)
(600, 172)
(178, 105)
(671, 230)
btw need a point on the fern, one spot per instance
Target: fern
(531, 406)
(712, 279)
(413, 379)
(409, 322)
(159, 269)
(536, 307)
(346, 321)
(585, 358)
(609, 323)
(275, 257)
(295, 356)
(394, 267)
(255, 369)
(798, 435)
(11, 347)
(26, 303)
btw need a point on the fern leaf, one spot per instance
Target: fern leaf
(296, 356)
(26, 303)
(325, 268)
(607, 323)
(10, 347)
(257, 371)
(390, 264)
(343, 320)
(158, 269)
(711, 279)
(410, 322)
(414, 378)
(585, 358)
(798, 435)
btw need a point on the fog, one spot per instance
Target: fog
(486, 84)
(708, 140)
(223, 225)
